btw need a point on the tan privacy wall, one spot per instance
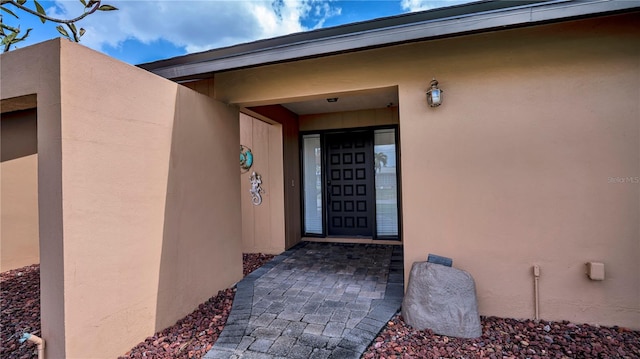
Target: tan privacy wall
(35, 70)
(137, 192)
(288, 121)
(263, 224)
(19, 245)
(533, 159)
(201, 247)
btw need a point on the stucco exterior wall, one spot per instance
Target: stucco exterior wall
(291, 167)
(533, 159)
(115, 141)
(19, 238)
(349, 119)
(137, 178)
(35, 70)
(263, 229)
(201, 246)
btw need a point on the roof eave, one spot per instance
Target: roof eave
(418, 31)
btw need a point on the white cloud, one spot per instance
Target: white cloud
(199, 25)
(323, 11)
(420, 5)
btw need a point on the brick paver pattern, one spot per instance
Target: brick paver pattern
(316, 300)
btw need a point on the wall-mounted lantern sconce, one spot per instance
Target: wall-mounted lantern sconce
(434, 95)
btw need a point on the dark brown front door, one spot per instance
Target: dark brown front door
(350, 188)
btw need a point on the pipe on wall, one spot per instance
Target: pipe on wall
(35, 340)
(536, 291)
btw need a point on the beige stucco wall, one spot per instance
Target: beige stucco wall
(19, 226)
(288, 121)
(263, 225)
(116, 139)
(349, 119)
(28, 71)
(137, 217)
(201, 247)
(19, 238)
(522, 163)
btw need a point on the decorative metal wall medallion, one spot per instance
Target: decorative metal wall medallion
(246, 158)
(256, 190)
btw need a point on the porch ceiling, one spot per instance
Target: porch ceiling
(370, 99)
(18, 103)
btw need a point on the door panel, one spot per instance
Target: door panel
(350, 190)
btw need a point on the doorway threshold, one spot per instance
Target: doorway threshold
(352, 240)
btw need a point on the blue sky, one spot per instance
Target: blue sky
(143, 31)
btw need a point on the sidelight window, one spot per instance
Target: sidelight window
(312, 174)
(386, 182)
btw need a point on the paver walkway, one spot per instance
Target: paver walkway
(316, 300)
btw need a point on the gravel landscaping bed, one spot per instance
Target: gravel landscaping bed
(20, 311)
(508, 338)
(190, 337)
(253, 261)
(193, 336)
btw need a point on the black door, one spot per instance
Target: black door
(350, 188)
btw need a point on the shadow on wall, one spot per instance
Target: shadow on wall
(19, 131)
(201, 248)
(19, 156)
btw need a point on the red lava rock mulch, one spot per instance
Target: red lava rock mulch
(253, 261)
(190, 337)
(20, 311)
(508, 338)
(194, 335)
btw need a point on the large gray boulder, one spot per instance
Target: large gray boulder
(442, 299)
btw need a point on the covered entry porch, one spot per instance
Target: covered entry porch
(329, 168)
(498, 170)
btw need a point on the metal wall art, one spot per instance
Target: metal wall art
(246, 158)
(256, 190)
